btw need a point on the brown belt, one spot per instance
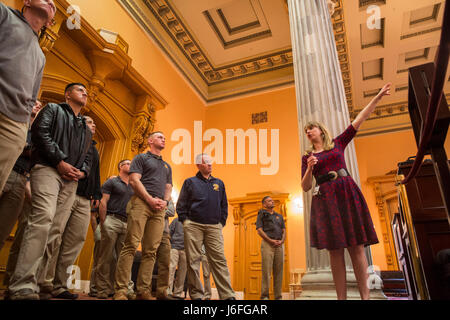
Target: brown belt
(118, 216)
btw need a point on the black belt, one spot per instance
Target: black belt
(118, 216)
(22, 172)
(332, 175)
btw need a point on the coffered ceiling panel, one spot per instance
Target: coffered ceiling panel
(229, 31)
(408, 35)
(224, 47)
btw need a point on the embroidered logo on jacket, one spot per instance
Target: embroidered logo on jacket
(216, 187)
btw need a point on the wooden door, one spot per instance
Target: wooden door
(252, 272)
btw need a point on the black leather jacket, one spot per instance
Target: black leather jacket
(57, 134)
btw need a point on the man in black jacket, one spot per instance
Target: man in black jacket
(60, 157)
(66, 237)
(202, 207)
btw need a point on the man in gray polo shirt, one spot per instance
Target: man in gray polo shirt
(270, 227)
(21, 67)
(113, 219)
(151, 179)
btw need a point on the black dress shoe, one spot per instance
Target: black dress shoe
(231, 298)
(67, 295)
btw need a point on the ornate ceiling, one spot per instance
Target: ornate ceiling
(226, 48)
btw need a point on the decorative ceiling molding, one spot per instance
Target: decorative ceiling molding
(342, 47)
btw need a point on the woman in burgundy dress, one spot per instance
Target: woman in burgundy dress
(339, 214)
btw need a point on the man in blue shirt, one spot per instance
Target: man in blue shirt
(203, 209)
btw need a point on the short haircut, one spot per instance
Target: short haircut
(265, 198)
(71, 85)
(199, 158)
(120, 163)
(153, 133)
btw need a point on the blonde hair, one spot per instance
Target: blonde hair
(328, 143)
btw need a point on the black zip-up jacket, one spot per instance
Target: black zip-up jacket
(57, 134)
(90, 188)
(203, 200)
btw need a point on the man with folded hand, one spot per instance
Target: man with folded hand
(61, 156)
(151, 180)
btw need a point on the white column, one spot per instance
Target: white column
(321, 97)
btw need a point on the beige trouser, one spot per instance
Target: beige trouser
(196, 234)
(15, 247)
(113, 232)
(11, 201)
(143, 225)
(65, 246)
(163, 258)
(52, 197)
(177, 258)
(96, 255)
(206, 278)
(13, 137)
(272, 260)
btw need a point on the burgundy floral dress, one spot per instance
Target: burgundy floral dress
(339, 214)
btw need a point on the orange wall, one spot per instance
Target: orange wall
(242, 179)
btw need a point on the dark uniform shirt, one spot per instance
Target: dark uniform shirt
(176, 234)
(155, 173)
(120, 193)
(90, 186)
(272, 224)
(203, 200)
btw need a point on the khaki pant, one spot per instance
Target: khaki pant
(206, 278)
(143, 225)
(272, 260)
(177, 259)
(196, 234)
(163, 258)
(64, 248)
(13, 137)
(95, 257)
(52, 197)
(113, 232)
(15, 247)
(11, 201)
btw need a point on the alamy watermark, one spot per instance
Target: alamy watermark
(224, 149)
(374, 20)
(374, 280)
(74, 20)
(74, 280)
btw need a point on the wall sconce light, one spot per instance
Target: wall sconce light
(296, 204)
(175, 195)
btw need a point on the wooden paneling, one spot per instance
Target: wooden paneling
(422, 230)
